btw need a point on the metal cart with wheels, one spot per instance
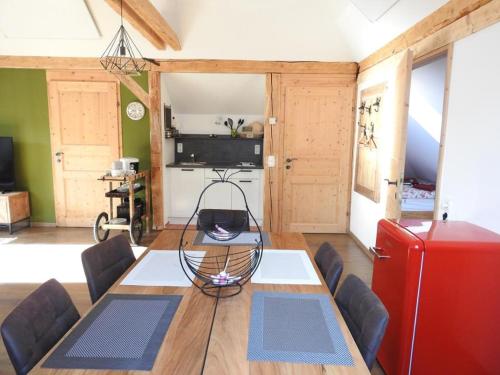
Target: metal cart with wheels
(134, 223)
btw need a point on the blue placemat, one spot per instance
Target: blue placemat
(123, 332)
(300, 328)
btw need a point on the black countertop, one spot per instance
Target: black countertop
(220, 165)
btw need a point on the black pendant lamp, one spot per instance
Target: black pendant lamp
(122, 55)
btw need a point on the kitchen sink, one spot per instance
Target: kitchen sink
(192, 163)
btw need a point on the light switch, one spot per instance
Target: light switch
(257, 149)
(271, 161)
(179, 148)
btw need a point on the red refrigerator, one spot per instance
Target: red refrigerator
(440, 282)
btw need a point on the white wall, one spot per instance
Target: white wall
(424, 120)
(471, 177)
(365, 213)
(201, 102)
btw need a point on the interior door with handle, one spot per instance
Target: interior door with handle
(318, 120)
(85, 138)
(395, 175)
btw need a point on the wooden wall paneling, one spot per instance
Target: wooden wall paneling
(367, 168)
(156, 140)
(446, 15)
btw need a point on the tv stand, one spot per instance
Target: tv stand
(14, 210)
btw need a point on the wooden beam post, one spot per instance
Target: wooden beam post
(156, 149)
(135, 88)
(449, 13)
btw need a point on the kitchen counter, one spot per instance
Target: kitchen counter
(213, 165)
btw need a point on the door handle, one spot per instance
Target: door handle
(375, 250)
(289, 160)
(59, 153)
(389, 182)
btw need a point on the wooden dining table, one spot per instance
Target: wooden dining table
(209, 335)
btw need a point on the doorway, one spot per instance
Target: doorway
(425, 137)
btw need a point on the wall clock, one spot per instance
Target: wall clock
(135, 111)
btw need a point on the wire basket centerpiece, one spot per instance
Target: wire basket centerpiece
(226, 269)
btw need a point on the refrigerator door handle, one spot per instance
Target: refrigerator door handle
(375, 250)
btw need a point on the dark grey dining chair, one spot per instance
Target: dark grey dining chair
(104, 263)
(364, 314)
(37, 324)
(330, 265)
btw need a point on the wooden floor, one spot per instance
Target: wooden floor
(355, 261)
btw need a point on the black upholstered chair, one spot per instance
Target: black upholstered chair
(330, 265)
(364, 314)
(37, 324)
(104, 263)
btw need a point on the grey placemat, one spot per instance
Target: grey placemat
(245, 238)
(299, 328)
(123, 332)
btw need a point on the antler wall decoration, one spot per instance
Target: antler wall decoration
(367, 179)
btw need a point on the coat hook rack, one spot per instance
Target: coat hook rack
(362, 107)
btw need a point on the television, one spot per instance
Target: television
(7, 181)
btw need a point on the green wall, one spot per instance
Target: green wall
(24, 116)
(135, 134)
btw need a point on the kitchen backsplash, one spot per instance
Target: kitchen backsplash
(222, 149)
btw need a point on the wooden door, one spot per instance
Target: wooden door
(85, 137)
(317, 148)
(395, 176)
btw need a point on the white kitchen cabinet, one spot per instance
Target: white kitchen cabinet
(252, 190)
(217, 196)
(186, 185)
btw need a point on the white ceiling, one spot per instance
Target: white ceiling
(322, 30)
(47, 19)
(374, 9)
(200, 93)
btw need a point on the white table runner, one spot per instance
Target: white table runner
(160, 268)
(286, 267)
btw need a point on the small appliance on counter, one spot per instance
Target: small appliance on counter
(130, 164)
(124, 166)
(253, 130)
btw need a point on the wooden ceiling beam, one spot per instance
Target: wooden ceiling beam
(155, 20)
(135, 88)
(441, 18)
(188, 66)
(254, 66)
(144, 17)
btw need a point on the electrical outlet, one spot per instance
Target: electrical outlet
(179, 148)
(273, 120)
(257, 149)
(271, 161)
